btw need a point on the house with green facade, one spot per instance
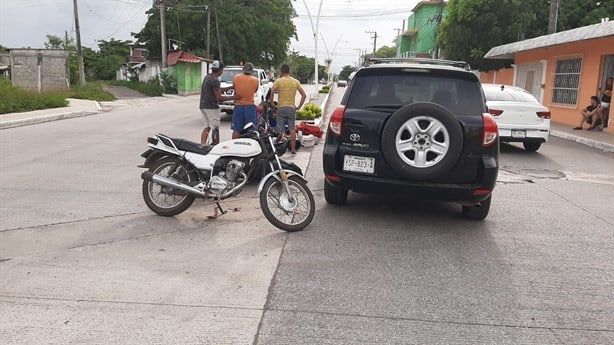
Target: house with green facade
(187, 68)
(418, 37)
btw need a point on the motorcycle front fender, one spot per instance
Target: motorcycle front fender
(275, 175)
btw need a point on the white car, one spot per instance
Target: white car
(520, 117)
(226, 80)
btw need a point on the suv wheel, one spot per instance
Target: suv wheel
(422, 141)
(477, 212)
(335, 194)
(531, 146)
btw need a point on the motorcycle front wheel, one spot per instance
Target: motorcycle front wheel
(168, 201)
(288, 212)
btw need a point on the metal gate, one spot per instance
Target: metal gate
(529, 77)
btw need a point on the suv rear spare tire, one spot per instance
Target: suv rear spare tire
(422, 141)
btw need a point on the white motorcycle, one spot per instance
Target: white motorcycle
(181, 170)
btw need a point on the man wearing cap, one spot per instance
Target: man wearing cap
(210, 95)
(246, 86)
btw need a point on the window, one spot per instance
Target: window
(566, 81)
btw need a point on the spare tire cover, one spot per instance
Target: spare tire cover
(422, 141)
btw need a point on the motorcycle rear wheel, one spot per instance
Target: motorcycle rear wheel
(288, 214)
(167, 201)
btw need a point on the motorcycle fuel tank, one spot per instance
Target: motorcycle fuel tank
(243, 148)
(237, 148)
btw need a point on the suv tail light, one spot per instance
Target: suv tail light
(336, 120)
(543, 114)
(491, 131)
(495, 112)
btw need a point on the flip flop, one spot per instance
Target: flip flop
(577, 128)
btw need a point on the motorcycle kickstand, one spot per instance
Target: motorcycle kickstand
(221, 210)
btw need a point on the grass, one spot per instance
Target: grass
(15, 100)
(151, 88)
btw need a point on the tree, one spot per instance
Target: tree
(473, 27)
(302, 67)
(386, 52)
(255, 31)
(345, 72)
(105, 63)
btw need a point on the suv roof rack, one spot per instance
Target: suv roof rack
(461, 64)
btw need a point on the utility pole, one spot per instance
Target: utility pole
(398, 44)
(359, 52)
(553, 17)
(79, 52)
(439, 17)
(217, 29)
(374, 37)
(209, 32)
(163, 32)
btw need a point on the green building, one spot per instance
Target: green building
(418, 36)
(187, 69)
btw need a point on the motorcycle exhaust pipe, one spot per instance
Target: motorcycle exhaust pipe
(149, 176)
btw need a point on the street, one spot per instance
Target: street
(83, 260)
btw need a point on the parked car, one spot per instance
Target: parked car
(520, 117)
(226, 80)
(342, 83)
(419, 127)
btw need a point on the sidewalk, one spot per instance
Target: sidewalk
(77, 107)
(600, 140)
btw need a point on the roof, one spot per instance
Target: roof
(507, 51)
(431, 2)
(176, 56)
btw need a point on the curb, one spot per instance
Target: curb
(48, 118)
(588, 142)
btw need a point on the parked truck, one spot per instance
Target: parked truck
(226, 80)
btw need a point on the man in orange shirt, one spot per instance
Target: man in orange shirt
(246, 86)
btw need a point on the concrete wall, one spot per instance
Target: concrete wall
(40, 69)
(150, 70)
(502, 76)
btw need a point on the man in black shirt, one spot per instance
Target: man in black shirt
(210, 96)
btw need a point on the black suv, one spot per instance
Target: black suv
(418, 126)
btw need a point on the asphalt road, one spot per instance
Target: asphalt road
(84, 260)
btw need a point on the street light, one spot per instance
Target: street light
(315, 39)
(329, 55)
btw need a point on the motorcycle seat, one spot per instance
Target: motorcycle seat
(190, 146)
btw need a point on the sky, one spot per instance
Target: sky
(342, 28)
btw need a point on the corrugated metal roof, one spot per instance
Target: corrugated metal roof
(182, 56)
(507, 51)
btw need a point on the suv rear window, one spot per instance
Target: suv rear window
(393, 88)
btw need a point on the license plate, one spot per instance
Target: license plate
(518, 133)
(359, 164)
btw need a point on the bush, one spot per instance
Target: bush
(151, 88)
(14, 99)
(169, 82)
(309, 112)
(325, 89)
